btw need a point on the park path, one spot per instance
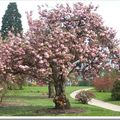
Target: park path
(1, 89)
(98, 103)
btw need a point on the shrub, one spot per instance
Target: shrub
(84, 96)
(116, 90)
(84, 83)
(103, 84)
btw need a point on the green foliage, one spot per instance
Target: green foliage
(11, 21)
(84, 96)
(116, 90)
(84, 83)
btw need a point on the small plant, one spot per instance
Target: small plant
(84, 96)
(103, 84)
(116, 90)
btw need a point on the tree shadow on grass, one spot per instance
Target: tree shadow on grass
(28, 97)
(36, 111)
(20, 110)
(32, 107)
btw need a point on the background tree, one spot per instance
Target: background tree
(11, 21)
(55, 41)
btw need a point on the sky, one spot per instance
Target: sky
(108, 9)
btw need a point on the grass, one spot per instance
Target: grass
(33, 98)
(105, 96)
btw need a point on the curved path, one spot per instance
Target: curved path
(1, 89)
(98, 103)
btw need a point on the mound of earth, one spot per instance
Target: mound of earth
(53, 111)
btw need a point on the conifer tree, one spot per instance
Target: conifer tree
(11, 21)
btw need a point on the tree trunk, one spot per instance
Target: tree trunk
(60, 99)
(51, 90)
(3, 91)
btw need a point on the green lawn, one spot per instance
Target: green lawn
(105, 96)
(25, 102)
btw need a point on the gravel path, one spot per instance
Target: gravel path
(98, 103)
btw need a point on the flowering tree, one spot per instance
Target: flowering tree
(55, 41)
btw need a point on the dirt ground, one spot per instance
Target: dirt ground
(59, 111)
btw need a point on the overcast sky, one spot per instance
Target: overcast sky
(109, 9)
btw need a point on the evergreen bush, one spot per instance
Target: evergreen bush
(116, 90)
